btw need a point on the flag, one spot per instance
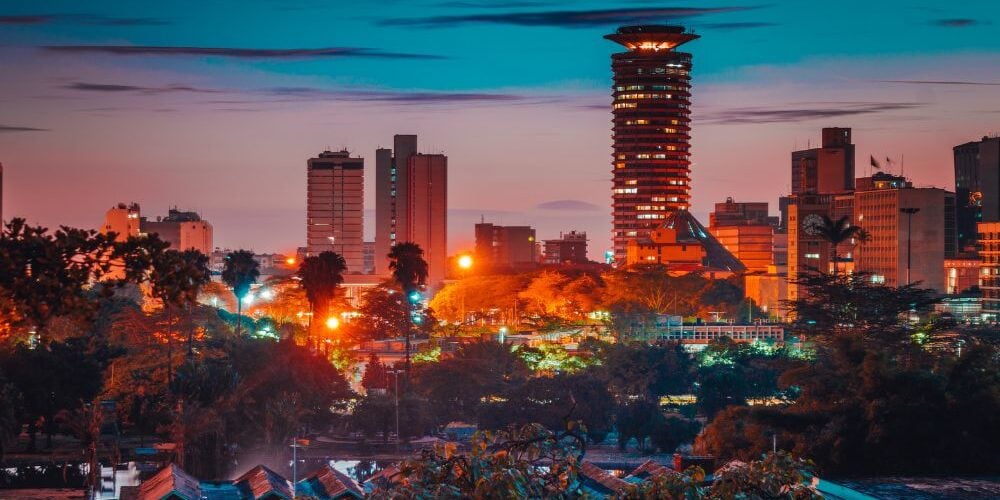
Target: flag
(888, 161)
(875, 163)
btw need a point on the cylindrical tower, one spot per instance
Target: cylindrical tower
(651, 132)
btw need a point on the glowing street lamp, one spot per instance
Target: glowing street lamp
(332, 323)
(465, 262)
(290, 261)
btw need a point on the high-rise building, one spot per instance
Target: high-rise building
(908, 231)
(427, 211)
(123, 220)
(335, 207)
(570, 248)
(827, 169)
(183, 230)
(510, 247)
(989, 254)
(977, 188)
(368, 248)
(651, 131)
(391, 195)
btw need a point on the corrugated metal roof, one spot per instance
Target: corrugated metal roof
(171, 480)
(328, 482)
(260, 482)
(600, 480)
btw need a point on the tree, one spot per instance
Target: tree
(240, 273)
(321, 276)
(43, 275)
(409, 270)
(673, 432)
(837, 232)
(385, 313)
(376, 375)
(177, 278)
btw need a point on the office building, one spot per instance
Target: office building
(391, 195)
(368, 257)
(768, 291)
(961, 274)
(747, 231)
(808, 252)
(123, 220)
(908, 233)
(977, 188)
(183, 230)
(505, 247)
(989, 254)
(335, 207)
(651, 131)
(427, 211)
(827, 169)
(570, 248)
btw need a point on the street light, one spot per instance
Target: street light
(465, 262)
(332, 323)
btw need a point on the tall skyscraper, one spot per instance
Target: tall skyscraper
(427, 213)
(391, 195)
(651, 167)
(977, 188)
(335, 207)
(827, 169)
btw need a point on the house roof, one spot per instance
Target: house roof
(600, 480)
(650, 469)
(261, 481)
(171, 480)
(327, 482)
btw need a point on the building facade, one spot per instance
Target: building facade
(746, 230)
(977, 188)
(961, 274)
(908, 232)
(570, 248)
(427, 211)
(512, 247)
(123, 220)
(391, 195)
(183, 230)
(335, 207)
(651, 130)
(827, 169)
(989, 254)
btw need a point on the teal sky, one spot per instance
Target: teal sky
(215, 105)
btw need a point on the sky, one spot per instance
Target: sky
(215, 106)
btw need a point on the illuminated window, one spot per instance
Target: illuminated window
(812, 255)
(631, 182)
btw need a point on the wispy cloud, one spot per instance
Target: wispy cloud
(14, 128)
(566, 18)
(303, 94)
(736, 25)
(245, 53)
(573, 205)
(833, 110)
(509, 4)
(88, 19)
(940, 82)
(106, 87)
(956, 22)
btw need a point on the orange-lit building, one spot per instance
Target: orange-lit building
(930, 231)
(505, 247)
(183, 230)
(335, 207)
(651, 131)
(427, 212)
(961, 274)
(746, 230)
(768, 291)
(123, 220)
(827, 169)
(989, 253)
(683, 245)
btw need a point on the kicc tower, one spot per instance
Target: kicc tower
(651, 133)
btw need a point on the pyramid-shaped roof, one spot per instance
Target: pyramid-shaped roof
(689, 230)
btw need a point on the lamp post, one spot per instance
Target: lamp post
(909, 242)
(395, 393)
(464, 263)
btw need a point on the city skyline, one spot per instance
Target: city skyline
(157, 106)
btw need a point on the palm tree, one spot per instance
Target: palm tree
(321, 276)
(837, 232)
(409, 270)
(240, 272)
